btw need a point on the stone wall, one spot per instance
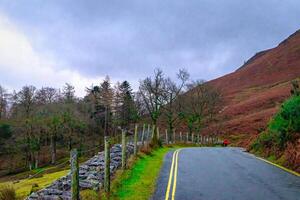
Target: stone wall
(91, 176)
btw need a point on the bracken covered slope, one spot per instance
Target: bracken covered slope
(253, 93)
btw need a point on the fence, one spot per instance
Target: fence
(139, 137)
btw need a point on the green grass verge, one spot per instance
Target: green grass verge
(139, 181)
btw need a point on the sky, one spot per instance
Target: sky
(51, 42)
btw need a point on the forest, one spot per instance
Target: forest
(38, 126)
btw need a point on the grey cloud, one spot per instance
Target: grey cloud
(128, 39)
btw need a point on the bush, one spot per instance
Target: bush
(284, 127)
(7, 192)
(286, 122)
(265, 140)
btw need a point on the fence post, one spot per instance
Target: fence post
(74, 175)
(167, 139)
(123, 149)
(198, 140)
(192, 137)
(143, 134)
(107, 164)
(180, 135)
(135, 140)
(187, 137)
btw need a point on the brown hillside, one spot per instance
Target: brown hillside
(253, 92)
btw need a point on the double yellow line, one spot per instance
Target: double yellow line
(173, 173)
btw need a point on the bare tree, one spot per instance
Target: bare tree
(172, 91)
(46, 95)
(152, 92)
(25, 99)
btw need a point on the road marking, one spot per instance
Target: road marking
(170, 176)
(173, 173)
(281, 167)
(175, 176)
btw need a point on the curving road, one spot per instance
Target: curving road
(223, 174)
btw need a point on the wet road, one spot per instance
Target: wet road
(223, 174)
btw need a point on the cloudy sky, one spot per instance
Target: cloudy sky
(50, 42)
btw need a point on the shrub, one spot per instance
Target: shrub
(284, 127)
(286, 122)
(7, 192)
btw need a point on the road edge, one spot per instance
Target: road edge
(279, 166)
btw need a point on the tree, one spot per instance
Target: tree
(25, 99)
(3, 102)
(96, 109)
(106, 99)
(152, 92)
(198, 103)
(5, 133)
(172, 91)
(124, 104)
(46, 95)
(69, 93)
(55, 125)
(23, 104)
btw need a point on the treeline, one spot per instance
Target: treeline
(36, 123)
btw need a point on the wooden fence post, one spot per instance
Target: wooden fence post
(143, 134)
(192, 137)
(180, 136)
(157, 132)
(198, 141)
(107, 164)
(187, 137)
(167, 139)
(123, 149)
(135, 140)
(74, 175)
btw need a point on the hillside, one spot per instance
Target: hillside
(253, 92)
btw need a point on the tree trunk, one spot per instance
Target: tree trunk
(70, 143)
(155, 141)
(53, 149)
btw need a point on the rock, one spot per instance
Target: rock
(52, 192)
(85, 185)
(91, 176)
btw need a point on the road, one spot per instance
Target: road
(223, 174)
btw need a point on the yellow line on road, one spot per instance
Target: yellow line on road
(175, 176)
(281, 167)
(170, 176)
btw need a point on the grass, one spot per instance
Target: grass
(7, 192)
(139, 181)
(23, 187)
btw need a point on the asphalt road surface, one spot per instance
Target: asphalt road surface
(223, 174)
